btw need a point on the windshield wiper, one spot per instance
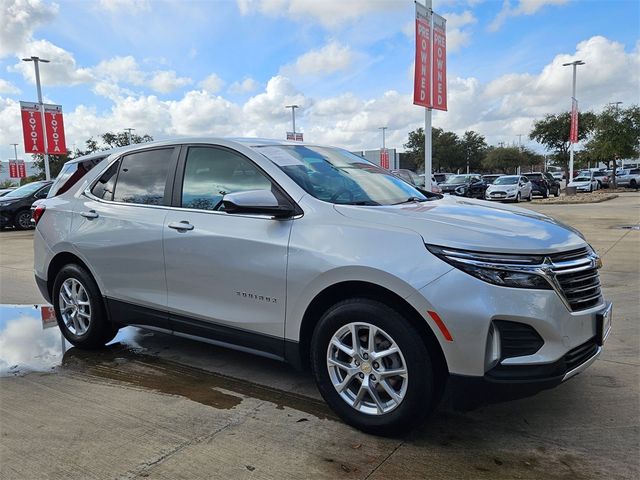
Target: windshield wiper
(411, 199)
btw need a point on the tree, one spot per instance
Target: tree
(474, 147)
(447, 152)
(502, 159)
(415, 149)
(553, 133)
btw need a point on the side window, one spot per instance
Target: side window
(43, 193)
(211, 173)
(104, 188)
(143, 176)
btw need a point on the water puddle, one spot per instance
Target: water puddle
(30, 341)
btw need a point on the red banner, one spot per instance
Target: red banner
(384, 158)
(573, 133)
(422, 73)
(32, 127)
(54, 126)
(17, 169)
(22, 170)
(297, 137)
(439, 62)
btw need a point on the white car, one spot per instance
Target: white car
(584, 183)
(315, 256)
(510, 188)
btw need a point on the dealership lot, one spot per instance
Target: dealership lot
(152, 406)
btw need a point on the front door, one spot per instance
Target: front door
(226, 273)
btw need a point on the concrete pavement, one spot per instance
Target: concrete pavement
(153, 406)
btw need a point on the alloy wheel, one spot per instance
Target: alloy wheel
(367, 368)
(75, 307)
(24, 220)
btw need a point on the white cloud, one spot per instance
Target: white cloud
(457, 35)
(524, 7)
(246, 85)
(329, 59)
(8, 87)
(329, 13)
(62, 69)
(167, 81)
(125, 6)
(212, 84)
(120, 69)
(19, 19)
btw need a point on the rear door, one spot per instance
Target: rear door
(226, 273)
(117, 229)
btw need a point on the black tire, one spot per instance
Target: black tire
(557, 194)
(545, 193)
(100, 331)
(633, 184)
(517, 200)
(421, 389)
(22, 220)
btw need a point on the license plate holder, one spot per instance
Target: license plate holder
(603, 324)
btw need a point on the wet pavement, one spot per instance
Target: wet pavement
(155, 406)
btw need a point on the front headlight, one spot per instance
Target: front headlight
(505, 270)
(461, 190)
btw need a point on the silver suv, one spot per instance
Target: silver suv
(313, 255)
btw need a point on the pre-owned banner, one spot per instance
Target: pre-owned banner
(573, 133)
(439, 62)
(422, 75)
(17, 169)
(32, 127)
(54, 126)
(384, 158)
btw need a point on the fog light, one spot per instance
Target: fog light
(492, 352)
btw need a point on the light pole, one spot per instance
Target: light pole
(384, 145)
(36, 61)
(129, 130)
(615, 160)
(574, 64)
(293, 117)
(15, 150)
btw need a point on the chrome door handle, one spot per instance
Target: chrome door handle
(183, 225)
(90, 214)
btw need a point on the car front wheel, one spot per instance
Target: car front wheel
(372, 367)
(80, 310)
(22, 220)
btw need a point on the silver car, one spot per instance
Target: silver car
(312, 255)
(510, 188)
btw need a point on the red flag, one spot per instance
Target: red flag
(54, 126)
(13, 169)
(384, 158)
(22, 171)
(439, 63)
(32, 127)
(422, 74)
(573, 133)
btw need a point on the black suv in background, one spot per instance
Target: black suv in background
(465, 185)
(15, 206)
(543, 183)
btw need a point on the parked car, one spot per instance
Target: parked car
(409, 177)
(442, 177)
(543, 184)
(602, 178)
(490, 178)
(468, 185)
(434, 185)
(629, 178)
(223, 240)
(557, 175)
(4, 191)
(510, 187)
(584, 183)
(15, 206)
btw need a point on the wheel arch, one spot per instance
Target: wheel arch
(361, 289)
(58, 262)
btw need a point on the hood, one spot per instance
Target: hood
(473, 225)
(512, 186)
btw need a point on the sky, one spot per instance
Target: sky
(229, 67)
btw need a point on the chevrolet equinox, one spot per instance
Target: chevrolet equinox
(315, 256)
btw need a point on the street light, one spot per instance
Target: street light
(384, 145)
(129, 135)
(293, 117)
(574, 64)
(36, 61)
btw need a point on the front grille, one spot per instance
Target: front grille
(517, 339)
(581, 354)
(577, 275)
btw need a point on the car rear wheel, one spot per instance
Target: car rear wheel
(545, 193)
(633, 184)
(372, 367)
(22, 220)
(80, 310)
(557, 194)
(518, 198)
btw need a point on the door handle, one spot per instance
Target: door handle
(90, 214)
(183, 225)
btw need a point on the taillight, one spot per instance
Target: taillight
(37, 213)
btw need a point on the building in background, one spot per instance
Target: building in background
(374, 157)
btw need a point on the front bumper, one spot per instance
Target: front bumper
(506, 196)
(472, 309)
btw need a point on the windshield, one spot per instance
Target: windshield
(458, 179)
(337, 176)
(506, 181)
(24, 191)
(582, 179)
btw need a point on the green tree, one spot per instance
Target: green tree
(447, 153)
(415, 149)
(502, 159)
(6, 184)
(474, 147)
(553, 133)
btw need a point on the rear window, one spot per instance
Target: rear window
(534, 176)
(634, 171)
(70, 174)
(143, 176)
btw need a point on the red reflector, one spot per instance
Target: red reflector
(443, 328)
(37, 213)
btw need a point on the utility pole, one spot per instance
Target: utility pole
(293, 116)
(36, 61)
(15, 150)
(129, 135)
(384, 145)
(574, 64)
(615, 159)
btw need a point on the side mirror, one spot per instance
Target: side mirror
(260, 202)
